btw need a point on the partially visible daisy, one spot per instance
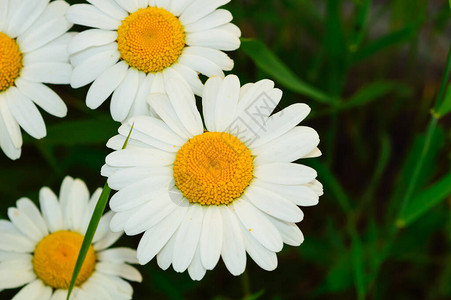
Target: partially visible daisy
(135, 45)
(39, 251)
(33, 51)
(200, 193)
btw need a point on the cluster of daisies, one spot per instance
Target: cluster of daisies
(199, 186)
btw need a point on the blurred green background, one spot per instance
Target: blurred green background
(372, 72)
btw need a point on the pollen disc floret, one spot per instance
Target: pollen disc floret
(10, 61)
(151, 39)
(55, 256)
(213, 168)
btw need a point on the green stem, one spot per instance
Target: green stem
(245, 283)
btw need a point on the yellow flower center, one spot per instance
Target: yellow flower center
(55, 256)
(151, 39)
(10, 61)
(213, 168)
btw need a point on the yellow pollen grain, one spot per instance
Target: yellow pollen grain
(151, 39)
(10, 62)
(55, 256)
(213, 168)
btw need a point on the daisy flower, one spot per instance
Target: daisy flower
(136, 44)
(200, 193)
(39, 251)
(33, 51)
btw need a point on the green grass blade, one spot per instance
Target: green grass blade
(275, 68)
(425, 201)
(358, 266)
(361, 23)
(443, 104)
(92, 227)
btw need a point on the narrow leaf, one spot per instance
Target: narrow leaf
(92, 227)
(274, 67)
(425, 201)
(445, 107)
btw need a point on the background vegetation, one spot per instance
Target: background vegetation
(372, 72)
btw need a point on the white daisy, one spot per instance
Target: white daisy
(137, 44)
(33, 51)
(199, 195)
(39, 251)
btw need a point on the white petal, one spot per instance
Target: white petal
(32, 212)
(289, 147)
(51, 209)
(13, 240)
(301, 195)
(34, 290)
(157, 129)
(94, 66)
(156, 237)
(211, 237)
(209, 98)
(201, 65)
(21, 15)
(23, 222)
(123, 178)
(186, 74)
(281, 122)
(196, 270)
(139, 157)
(184, 104)
(110, 8)
(265, 258)
(107, 241)
(75, 206)
(90, 38)
(178, 6)
(55, 51)
(216, 56)
(122, 270)
(164, 3)
(273, 204)
(150, 215)
(6, 142)
(257, 223)
(217, 18)
(26, 114)
(227, 101)
(124, 95)
(105, 84)
(50, 25)
(118, 255)
(43, 96)
(233, 252)
(285, 173)
(214, 38)
(199, 9)
(164, 257)
(129, 5)
(231, 28)
(48, 72)
(162, 106)
(3, 13)
(91, 16)
(103, 229)
(187, 238)
(291, 234)
(140, 106)
(11, 130)
(14, 274)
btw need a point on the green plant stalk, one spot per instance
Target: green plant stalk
(92, 227)
(245, 283)
(394, 229)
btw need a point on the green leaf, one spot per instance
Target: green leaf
(358, 266)
(387, 41)
(275, 68)
(426, 200)
(81, 132)
(445, 106)
(92, 227)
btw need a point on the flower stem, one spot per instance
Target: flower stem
(245, 283)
